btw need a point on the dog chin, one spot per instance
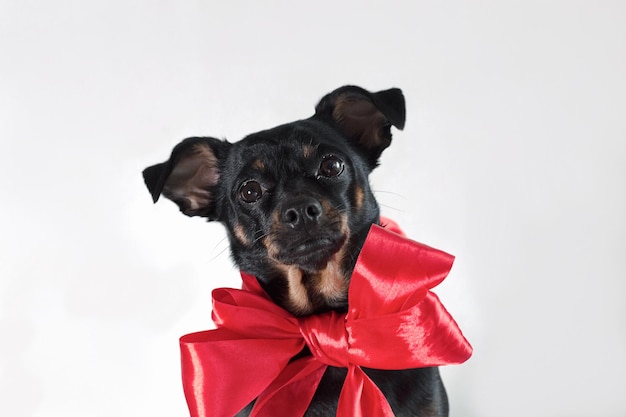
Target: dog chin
(312, 255)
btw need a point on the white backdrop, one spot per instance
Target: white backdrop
(513, 159)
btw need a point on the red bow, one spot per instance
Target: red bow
(393, 322)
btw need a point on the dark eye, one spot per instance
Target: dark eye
(331, 166)
(250, 191)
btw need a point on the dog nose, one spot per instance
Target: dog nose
(301, 211)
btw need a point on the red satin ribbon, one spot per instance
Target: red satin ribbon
(393, 322)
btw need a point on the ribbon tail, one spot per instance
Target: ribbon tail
(291, 391)
(360, 397)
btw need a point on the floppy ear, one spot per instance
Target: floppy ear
(365, 118)
(189, 178)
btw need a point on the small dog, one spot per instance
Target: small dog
(297, 206)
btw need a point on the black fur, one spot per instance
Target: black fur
(297, 206)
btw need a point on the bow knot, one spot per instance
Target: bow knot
(327, 338)
(393, 322)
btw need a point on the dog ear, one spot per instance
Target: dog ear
(365, 118)
(190, 176)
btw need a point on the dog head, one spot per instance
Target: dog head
(295, 199)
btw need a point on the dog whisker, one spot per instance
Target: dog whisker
(261, 236)
(389, 192)
(392, 208)
(219, 253)
(222, 241)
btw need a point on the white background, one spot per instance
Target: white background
(513, 159)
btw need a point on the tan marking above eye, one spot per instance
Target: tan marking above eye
(308, 150)
(258, 164)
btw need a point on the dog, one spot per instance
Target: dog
(297, 206)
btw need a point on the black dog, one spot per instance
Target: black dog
(297, 205)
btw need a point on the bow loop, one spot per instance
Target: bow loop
(421, 336)
(392, 271)
(213, 390)
(252, 314)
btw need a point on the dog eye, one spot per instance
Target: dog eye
(250, 191)
(331, 166)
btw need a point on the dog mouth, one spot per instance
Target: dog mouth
(310, 254)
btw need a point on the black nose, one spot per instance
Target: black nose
(301, 211)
